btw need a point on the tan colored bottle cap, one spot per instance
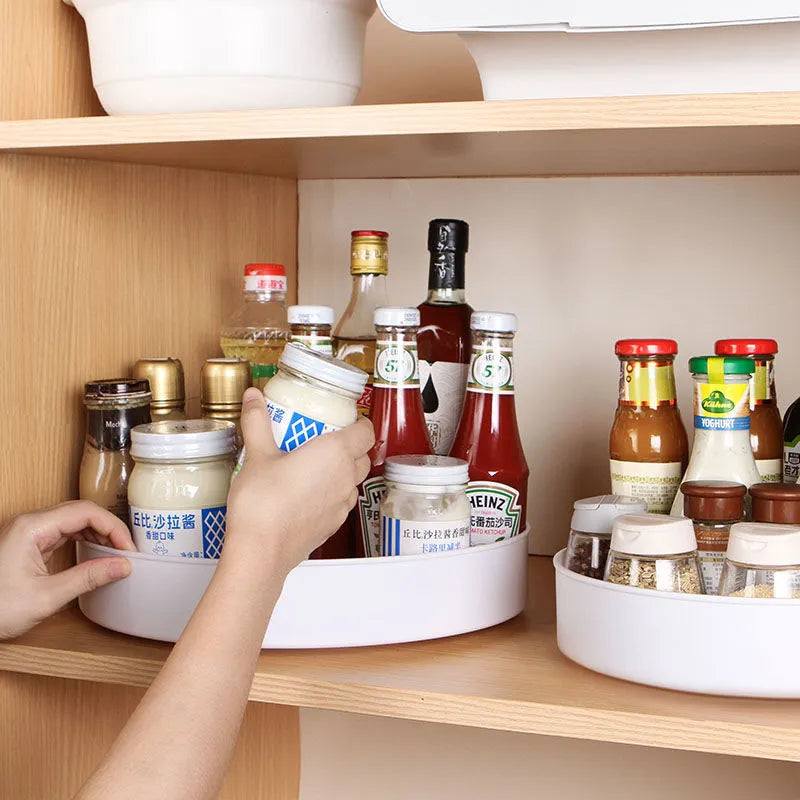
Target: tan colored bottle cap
(223, 381)
(166, 380)
(713, 500)
(652, 535)
(776, 502)
(764, 545)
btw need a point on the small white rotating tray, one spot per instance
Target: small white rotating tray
(736, 646)
(337, 603)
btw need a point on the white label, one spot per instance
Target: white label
(791, 462)
(401, 537)
(265, 283)
(369, 509)
(770, 469)
(396, 365)
(319, 344)
(491, 371)
(656, 484)
(711, 562)
(443, 387)
(188, 533)
(496, 512)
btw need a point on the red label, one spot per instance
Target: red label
(365, 401)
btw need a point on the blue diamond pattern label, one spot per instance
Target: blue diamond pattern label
(188, 533)
(401, 537)
(292, 429)
(496, 512)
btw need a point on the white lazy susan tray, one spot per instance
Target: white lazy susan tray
(736, 646)
(336, 603)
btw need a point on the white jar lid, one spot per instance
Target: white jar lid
(194, 438)
(762, 544)
(397, 317)
(324, 368)
(427, 470)
(310, 315)
(597, 514)
(494, 321)
(652, 535)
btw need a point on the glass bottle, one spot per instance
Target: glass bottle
(488, 435)
(311, 327)
(354, 336)
(113, 409)
(259, 329)
(167, 385)
(766, 428)
(396, 415)
(648, 446)
(445, 338)
(721, 449)
(713, 506)
(223, 381)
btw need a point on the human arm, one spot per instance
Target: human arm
(194, 708)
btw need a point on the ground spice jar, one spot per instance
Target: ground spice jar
(762, 561)
(650, 551)
(713, 506)
(776, 502)
(590, 534)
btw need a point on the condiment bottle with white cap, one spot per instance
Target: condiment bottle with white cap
(651, 551)
(311, 327)
(762, 561)
(590, 534)
(425, 509)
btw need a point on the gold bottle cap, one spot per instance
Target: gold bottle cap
(369, 253)
(166, 380)
(223, 381)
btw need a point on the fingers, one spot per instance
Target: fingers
(363, 466)
(50, 527)
(65, 586)
(256, 426)
(357, 438)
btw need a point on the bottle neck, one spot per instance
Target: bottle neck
(762, 384)
(721, 405)
(492, 363)
(647, 382)
(447, 270)
(264, 297)
(447, 297)
(396, 359)
(368, 293)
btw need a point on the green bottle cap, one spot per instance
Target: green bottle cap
(725, 365)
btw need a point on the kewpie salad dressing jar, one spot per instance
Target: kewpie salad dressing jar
(178, 491)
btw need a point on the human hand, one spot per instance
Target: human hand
(28, 593)
(283, 506)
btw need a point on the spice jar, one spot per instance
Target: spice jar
(223, 381)
(167, 385)
(178, 491)
(766, 428)
(762, 561)
(311, 326)
(425, 509)
(713, 506)
(654, 552)
(590, 534)
(648, 445)
(776, 502)
(113, 408)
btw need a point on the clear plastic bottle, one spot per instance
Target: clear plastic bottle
(259, 329)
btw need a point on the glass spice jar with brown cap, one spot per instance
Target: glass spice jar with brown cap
(223, 381)
(648, 446)
(713, 506)
(766, 428)
(777, 503)
(167, 385)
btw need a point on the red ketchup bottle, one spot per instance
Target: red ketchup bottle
(488, 435)
(396, 414)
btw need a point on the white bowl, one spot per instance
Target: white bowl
(695, 643)
(337, 603)
(154, 56)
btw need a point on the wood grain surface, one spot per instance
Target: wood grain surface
(511, 677)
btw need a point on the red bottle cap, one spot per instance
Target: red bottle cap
(361, 234)
(646, 347)
(746, 347)
(265, 269)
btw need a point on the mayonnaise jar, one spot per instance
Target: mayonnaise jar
(178, 490)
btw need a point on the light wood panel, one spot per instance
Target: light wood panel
(508, 678)
(57, 731)
(44, 61)
(630, 135)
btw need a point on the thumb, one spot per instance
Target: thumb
(256, 426)
(65, 586)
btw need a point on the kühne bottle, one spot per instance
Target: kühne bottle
(648, 447)
(488, 436)
(259, 329)
(721, 449)
(396, 415)
(354, 336)
(766, 428)
(445, 338)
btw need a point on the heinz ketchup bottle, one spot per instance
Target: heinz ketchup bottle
(396, 415)
(488, 436)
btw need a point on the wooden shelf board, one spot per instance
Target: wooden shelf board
(511, 677)
(680, 134)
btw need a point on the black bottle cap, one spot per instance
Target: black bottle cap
(447, 235)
